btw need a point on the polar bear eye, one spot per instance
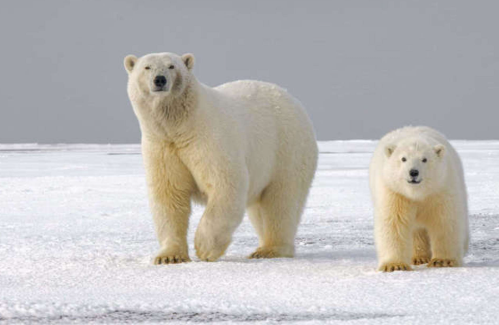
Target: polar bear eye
(403, 159)
(425, 160)
(171, 66)
(147, 68)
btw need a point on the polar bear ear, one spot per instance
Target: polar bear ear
(389, 150)
(188, 59)
(130, 61)
(439, 150)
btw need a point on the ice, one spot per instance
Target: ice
(76, 241)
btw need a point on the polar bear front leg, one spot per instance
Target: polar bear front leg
(223, 214)
(171, 220)
(421, 252)
(393, 233)
(170, 186)
(445, 233)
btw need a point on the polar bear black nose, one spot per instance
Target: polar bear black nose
(159, 81)
(414, 173)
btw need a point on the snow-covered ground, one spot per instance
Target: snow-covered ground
(76, 240)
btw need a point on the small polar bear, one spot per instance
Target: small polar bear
(420, 201)
(244, 145)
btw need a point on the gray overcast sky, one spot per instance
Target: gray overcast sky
(361, 68)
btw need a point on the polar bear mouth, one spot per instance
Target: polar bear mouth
(158, 90)
(413, 181)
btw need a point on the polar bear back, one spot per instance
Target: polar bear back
(265, 100)
(267, 125)
(266, 112)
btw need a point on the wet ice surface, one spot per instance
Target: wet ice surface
(76, 240)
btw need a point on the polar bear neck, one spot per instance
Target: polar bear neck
(169, 117)
(176, 109)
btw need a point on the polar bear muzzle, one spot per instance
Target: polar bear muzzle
(159, 83)
(414, 174)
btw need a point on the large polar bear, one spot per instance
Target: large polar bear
(420, 202)
(242, 145)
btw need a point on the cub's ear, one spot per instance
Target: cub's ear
(129, 62)
(439, 150)
(188, 59)
(389, 150)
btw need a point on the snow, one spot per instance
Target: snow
(76, 242)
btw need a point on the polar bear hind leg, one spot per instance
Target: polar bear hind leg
(256, 218)
(276, 217)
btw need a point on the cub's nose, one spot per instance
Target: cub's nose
(159, 81)
(414, 173)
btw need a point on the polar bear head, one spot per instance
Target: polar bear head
(415, 168)
(158, 75)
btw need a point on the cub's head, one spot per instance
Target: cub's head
(158, 75)
(415, 169)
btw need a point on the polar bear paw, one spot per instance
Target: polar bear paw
(420, 260)
(442, 262)
(272, 252)
(390, 267)
(209, 253)
(210, 248)
(171, 257)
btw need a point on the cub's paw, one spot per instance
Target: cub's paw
(390, 267)
(272, 252)
(442, 262)
(419, 260)
(171, 257)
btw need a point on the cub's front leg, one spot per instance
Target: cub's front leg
(170, 186)
(394, 217)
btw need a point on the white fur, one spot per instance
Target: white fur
(242, 145)
(426, 221)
